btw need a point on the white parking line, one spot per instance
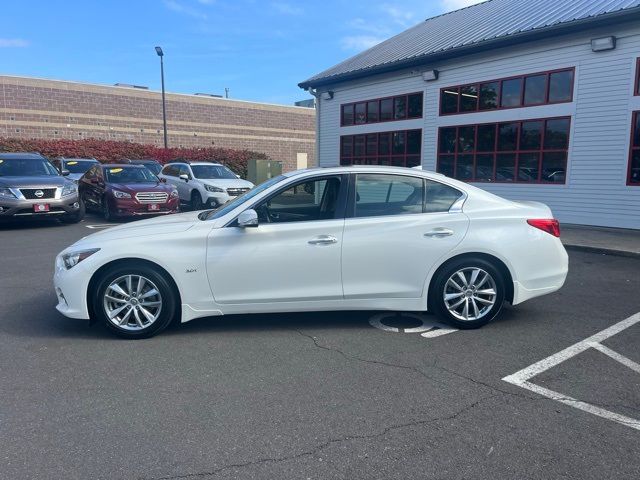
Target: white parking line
(521, 378)
(102, 225)
(427, 329)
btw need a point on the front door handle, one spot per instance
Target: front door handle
(323, 240)
(439, 233)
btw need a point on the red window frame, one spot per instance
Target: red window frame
(406, 96)
(396, 159)
(495, 151)
(632, 149)
(636, 87)
(500, 81)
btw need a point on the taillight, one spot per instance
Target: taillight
(549, 225)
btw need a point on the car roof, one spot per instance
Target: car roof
(21, 155)
(121, 165)
(177, 162)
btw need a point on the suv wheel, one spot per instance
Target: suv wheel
(75, 217)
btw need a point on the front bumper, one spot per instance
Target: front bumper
(71, 290)
(129, 207)
(17, 207)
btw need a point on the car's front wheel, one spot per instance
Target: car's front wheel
(467, 293)
(75, 217)
(196, 201)
(134, 301)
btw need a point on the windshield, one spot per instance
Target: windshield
(212, 171)
(154, 167)
(78, 166)
(130, 175)
(245, 197)
(26, 167)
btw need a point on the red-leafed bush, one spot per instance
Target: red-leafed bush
(109, 151)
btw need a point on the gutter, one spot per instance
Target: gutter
(620, 16)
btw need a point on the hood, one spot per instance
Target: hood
(45, 181)
(142, 187)
(143, 228)
(227, 182)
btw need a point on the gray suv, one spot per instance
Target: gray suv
(30, 186)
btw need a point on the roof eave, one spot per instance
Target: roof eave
(517, 38)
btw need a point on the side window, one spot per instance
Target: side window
(169, 171)
(304, 202)
(379, 194)
(184, 170)
(439, 197)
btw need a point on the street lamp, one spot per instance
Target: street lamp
(164, 108)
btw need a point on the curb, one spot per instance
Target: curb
(603, 251)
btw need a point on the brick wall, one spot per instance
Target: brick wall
(35, 108)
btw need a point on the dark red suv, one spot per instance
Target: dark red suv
(126, 191)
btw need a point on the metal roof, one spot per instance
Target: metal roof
(486, 25)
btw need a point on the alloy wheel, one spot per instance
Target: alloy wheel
(132, 302)
(470, 293)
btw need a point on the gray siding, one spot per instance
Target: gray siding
(595, 192)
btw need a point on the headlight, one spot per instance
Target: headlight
(69, 189)
(214, 189)
(173, 194)
(6, 193)
(119, 194)
(71, 259)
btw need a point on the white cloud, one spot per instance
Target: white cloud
(179, 7)
(370, 27)
(449, 5)
(287, 8)
(399, 15)
(359, 42)
(13, 42)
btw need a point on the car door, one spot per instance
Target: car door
(87, 187)
(397, 228)
(293, 255)
(184, 187)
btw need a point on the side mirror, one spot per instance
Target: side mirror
(163, 180)
(64, 172)
(184, 177)
(238, 176)
(248, 218)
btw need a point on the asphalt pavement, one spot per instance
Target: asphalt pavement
(318, 396)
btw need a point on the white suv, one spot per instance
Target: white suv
(204, 184)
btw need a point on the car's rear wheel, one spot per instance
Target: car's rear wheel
(467, 293)
(134, 301)
(106, 210)
(196, 201)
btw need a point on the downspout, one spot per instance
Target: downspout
(318, 98)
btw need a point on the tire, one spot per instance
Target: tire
(196, 201)
(122, 298)
(106, 211)
(74, 217)
(487, 292)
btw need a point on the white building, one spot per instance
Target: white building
(529, 99)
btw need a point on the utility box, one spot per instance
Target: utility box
(260, 170)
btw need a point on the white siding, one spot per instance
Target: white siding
(595, 192)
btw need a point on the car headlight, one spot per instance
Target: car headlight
(173, 194)
(71, 259)
(119, 194)
(6, 193)
(69, 189)
(211, 188)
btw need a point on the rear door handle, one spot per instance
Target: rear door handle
(439, 233)
(323, 240)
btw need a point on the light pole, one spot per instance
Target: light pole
(164, 108)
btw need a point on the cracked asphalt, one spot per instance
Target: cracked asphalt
(310, 396)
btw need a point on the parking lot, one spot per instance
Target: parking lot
(334, 395)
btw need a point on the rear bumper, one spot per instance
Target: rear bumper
(10, 208)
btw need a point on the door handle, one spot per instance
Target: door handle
(323, 240)
(439, 233)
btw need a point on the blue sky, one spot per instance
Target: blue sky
(261, 50)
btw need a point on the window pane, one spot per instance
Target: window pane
(361, 113)
(489, 95)
(561, 86)
(384, 161)
(464, 167)
(386, 109)
(378, 195)
(372, 144)
(557, 134)
(413, 142)
(511, 91)
(636, 130)
(445, 165)
(415, 105)
(384, 143)
(399, 141)
(507, 136)
(634, 174)
(469, 98)
(400, 108)
(484, 167)
(466, 139)
(449, 100)
(397, 161)
(528, 167)
(535, 88)
(347, 114)
(347, 146)
(554, 165)
(505, 167)
(486, 138)
(359, 145)
(413, 160)
(439, 197)
(372, 111)
(448, 140)
(530, 135)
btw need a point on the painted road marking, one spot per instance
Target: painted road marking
(427, 327)
(521, 378)
(102, 225)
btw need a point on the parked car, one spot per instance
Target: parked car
(30, 186)
(344, 238)
(150, 163)
(204, 184)
(75, 166)
(126, 191)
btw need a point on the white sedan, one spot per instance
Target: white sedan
(344, 238)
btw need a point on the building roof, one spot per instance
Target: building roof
(489, 24)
